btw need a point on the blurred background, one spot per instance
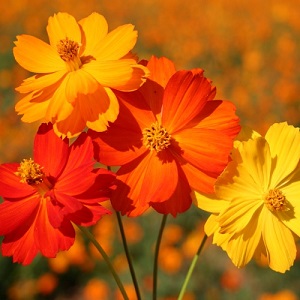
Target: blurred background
(251, 51)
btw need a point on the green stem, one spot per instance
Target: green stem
(155, 267)
(132, 272)
(87, 233)
(191, 269)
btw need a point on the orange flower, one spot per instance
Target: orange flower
(44, 196)
(77, 72)
(170, 136)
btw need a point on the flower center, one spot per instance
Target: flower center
(68, 51)
(156, 137)
(30, 172)
(276, 201)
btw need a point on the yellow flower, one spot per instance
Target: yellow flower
(256, 206)
(77, 73)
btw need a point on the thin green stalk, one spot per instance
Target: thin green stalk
(191, 269)
(155, 267)
(87, 233)
(132, 272)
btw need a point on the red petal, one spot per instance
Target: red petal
(10, 185)
(51, 240)
(50, 151)
(184, 98)
(22, 248)
(89, 215)
(18, 214)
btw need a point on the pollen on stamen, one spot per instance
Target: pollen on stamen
(276, 201)
(30, 172)
(156, 137)
(67, 49)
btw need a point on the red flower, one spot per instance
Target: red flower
(43, 196)
(170, 137)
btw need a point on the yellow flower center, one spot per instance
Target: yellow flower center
(156, 137)
(30, 172)
(68, 51)
(276, 201)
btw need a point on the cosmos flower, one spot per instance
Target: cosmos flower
(256, 207)
(43, 196)
(77, 73)
(170, 136)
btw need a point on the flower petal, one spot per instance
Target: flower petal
(59, 107)
(18, 213)
(123, 74)
(40, 82)
(36, 56)
(46, 143)
(93, 37)
(146, 178)
(106, 110)
(284, 141)
(122, 142)
(10, 185)
(117, 43)
(206, 149)
(219, 115)
(179, 202)
(210, 203)
(185, 96)
(279, 242)
(51, 240)
(60, 26)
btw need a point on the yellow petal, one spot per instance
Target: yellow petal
(36, 56)
(291, 217)
(95, 28)
(39, 82)
(210, 203)
(242, 246)
(279, 242)
(79, 82)
(70, 127)
(284, 141)
(105, 116)
(60, 26)
(59, 108)
(211, 225)
(117, 43)
(32, 111)
(124, 75)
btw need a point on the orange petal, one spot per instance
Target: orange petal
(95, 28)
(124, 74)
(219, 115)
(117, 43)
(185, 96)
(180, 200)
(199, 180)
(60, 26)
(161, 70)
(36, 56)
(151, 178)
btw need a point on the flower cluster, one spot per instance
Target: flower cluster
(169, 140)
